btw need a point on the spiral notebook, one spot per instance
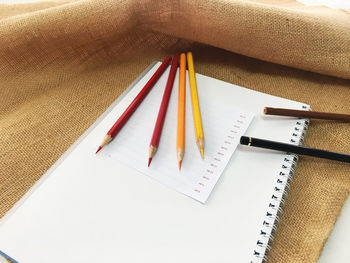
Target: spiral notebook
(103, 208)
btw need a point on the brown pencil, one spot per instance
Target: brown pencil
(307, 114)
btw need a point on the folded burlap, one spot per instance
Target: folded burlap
(62, 63)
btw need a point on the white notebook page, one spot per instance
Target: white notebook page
(93, 209)
(223, 125)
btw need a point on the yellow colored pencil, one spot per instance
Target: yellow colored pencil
(181, 113)
(195, 105)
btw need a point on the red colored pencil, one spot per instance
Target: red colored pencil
(157, 132)
(134, 104)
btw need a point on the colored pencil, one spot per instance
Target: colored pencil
(285, 147)
(195, 105)
(118, 125)
(181, 113)
(157, 132)
(307, 114)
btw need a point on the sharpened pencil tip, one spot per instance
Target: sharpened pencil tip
(149, 161)
(180, 162)
(99, 148)
(202, 153)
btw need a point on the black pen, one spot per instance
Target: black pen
(291, 148)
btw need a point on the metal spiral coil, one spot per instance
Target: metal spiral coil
(275, 207)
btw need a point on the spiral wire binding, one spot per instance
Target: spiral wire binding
(280, 191)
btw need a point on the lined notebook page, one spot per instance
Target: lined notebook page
(223, 124)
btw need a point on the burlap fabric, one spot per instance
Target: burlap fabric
(62, 63)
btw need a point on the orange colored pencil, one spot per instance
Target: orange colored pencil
(181, 113)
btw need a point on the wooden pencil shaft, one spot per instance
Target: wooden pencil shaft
(138, 99)
(200, 143)
(307, 114)
(107, 139)
(152, 151)
(285, 147)
(157, 132)
(180, 154)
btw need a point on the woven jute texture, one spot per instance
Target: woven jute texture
(62, 63)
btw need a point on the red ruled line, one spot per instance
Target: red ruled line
(224, 148)
(239, 121)
(233, 131)
(236, 126)
(206, 178)
(216, 159)
(213, 165)
(220, 153)
(227, 142)
(229, 136)
(196, 190)
(242, 116)
(201, 184)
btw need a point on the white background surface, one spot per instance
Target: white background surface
(337, 246)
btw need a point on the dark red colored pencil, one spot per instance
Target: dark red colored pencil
(134, 104)
(157, 132)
